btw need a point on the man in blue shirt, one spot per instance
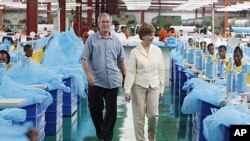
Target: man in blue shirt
(102, 57)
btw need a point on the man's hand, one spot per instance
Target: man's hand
(127, 97)
(91, 80)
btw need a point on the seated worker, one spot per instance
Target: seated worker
(37, 56)
(203, 45)
(173, 33)
(7, 42)
(5, 58)
(210, 51)
(222, 54)
(190, 42)
(163, 33)
(210, 48)
(124, 31)
(238, 55)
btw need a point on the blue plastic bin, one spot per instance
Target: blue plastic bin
(53, 116)
(34, 110)
(51, 128)
(68, 99)
(37, 121)
(70, 110)
(205, 110)
(57, 100)
(41, 138)
(67, 83)
(78, 100)
(182, 80)
(55, 94)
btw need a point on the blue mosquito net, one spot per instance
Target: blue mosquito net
(214, 125)
(28, 72)
(63, 54)
(12, 89)
(201, 90)
(12, 114)
(14, 133)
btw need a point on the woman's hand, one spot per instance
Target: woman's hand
(160, 96)
(127, 97)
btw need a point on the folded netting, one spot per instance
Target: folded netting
(189, 73)
(63, 48)
(159, 44)
(201, 91)
(13, 114)
(36, 44)
(221, 84)
(13, 133)
(214, 125)
(12, 89)
(75, 71)
(174, 55)
(63, 54)
(28, 72)
(171, 42)
(194, 83)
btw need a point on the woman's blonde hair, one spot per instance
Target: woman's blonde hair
(146, 29)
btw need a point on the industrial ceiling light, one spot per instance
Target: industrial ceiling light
(137, 4)
(227, 9)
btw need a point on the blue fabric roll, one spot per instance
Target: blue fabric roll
(199, 60)
(241, 82)
(221, 69)
(229, 81)
(190, 56)
(13, 114)
(210, 68)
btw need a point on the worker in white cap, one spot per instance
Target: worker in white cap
(209, 30)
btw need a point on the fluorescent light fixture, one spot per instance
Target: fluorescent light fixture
(177, 2)
(228, 8)
(137, 5)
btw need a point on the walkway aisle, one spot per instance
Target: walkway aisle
(79, 127)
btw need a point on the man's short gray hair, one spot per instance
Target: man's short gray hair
(102, 15)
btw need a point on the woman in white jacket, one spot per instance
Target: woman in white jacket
(144, 83)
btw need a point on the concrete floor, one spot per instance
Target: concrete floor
(79, 127)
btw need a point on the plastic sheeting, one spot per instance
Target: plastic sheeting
(171, 42)
(13, 89)
(63, 55)
(203, 91)
(174, 55)
(63, 48)
(159, 44)
(29, 72)
(214, 125)
(13, 133)
(78, 76)
(36, 44)
(12, 114)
